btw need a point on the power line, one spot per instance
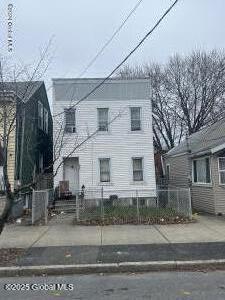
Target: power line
(106, 44)
(110, 39)
(126, 58)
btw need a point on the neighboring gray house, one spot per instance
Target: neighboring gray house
(199, 162)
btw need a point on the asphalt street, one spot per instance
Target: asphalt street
(121, 253)
(166, 285)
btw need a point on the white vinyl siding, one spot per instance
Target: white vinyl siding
(221, 165)
(70, 120)
(135, 118)
(201, 170)
(104, 165)
(137, 168)
(40, 115)
(103, 119)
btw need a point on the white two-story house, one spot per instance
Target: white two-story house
(107, 138)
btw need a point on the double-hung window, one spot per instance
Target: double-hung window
(201, 170)
(104, 164)
(40, 115)
(70, 120)
(221, 165)
(135, 118)
(137, 168)
(103, 119)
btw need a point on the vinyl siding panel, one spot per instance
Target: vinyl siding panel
(179, 171)
(119, 144)
(203, 198)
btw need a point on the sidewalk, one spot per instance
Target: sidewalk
(67, 248)
(206, 229)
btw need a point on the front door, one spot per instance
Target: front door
(71, 173)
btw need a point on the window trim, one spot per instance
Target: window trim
(210, 172)
(74, 127)
(103, 131)
(141, 125)
(99, 168)
(143, 176)
(220, 171)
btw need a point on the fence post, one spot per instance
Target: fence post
(77, 207)
(178, 204)
(33, 207)
(189, 204)
(102, 204)
(46, 206)
(138, 211)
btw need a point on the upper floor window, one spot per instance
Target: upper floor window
(135, 118)
(40, 115)
(137, 168)
(221, 164)
(104, 169)
(45, 121)
(201, 170)
(103, 119)
(70, 120)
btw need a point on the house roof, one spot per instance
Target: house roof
(23, 89)
(67, 89)
(210, 139)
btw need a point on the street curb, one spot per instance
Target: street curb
(122, 267)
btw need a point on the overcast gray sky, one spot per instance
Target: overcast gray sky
(81, 27)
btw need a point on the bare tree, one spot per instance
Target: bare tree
(11, 106)
(187, 94)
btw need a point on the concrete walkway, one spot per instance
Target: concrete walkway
(206, 229)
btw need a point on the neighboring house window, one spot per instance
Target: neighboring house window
(70, 120)
(168, 172)
(201, 170)
(41, 163)
(40, 115)
(45, 127)
(137, 168)
(135, 118)
(104, 169)
(103, 119)
(221, 161)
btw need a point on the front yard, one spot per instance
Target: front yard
(118, 215)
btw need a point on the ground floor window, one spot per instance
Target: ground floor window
(137, 168)
(201, 170)
(221, 164)
(104, 164)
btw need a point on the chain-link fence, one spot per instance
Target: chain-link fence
(98, 207)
